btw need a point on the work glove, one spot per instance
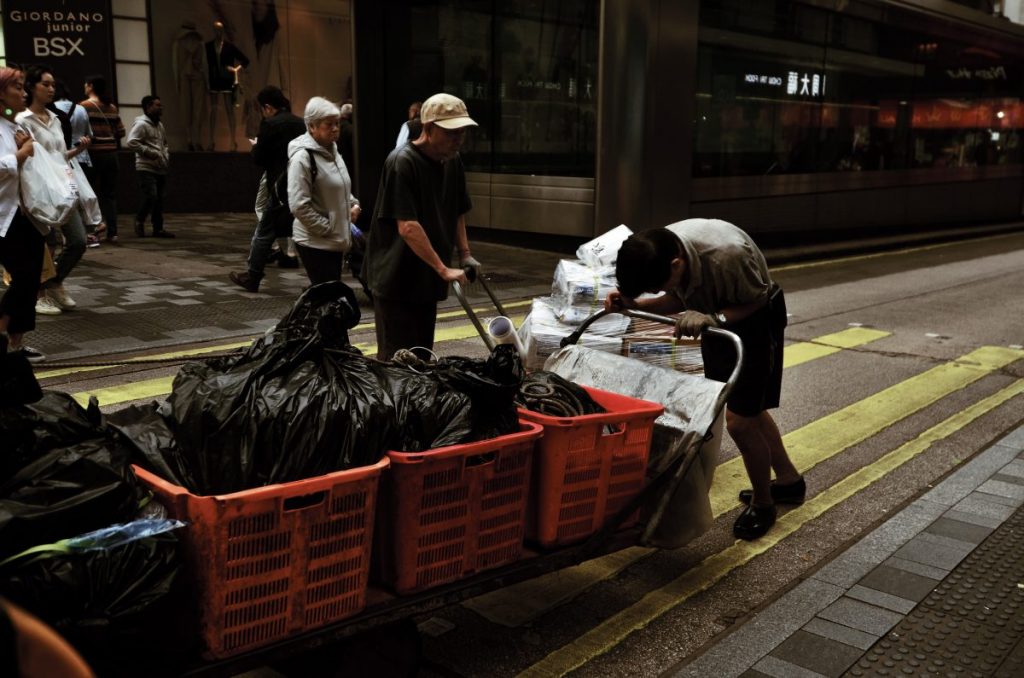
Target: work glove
(692, 323)
(469, 262)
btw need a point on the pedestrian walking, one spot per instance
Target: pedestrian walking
(411, 128)
(320, 193)
(148, 140)
(48, 134)
(270, 152)
(713, 272)
(21, 243)
(76, 127)
(419, 219)
(107, 132)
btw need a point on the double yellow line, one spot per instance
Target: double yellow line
(146, 389)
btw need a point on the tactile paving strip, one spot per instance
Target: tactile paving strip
(972, 624)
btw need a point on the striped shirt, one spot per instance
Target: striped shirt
(106, 124)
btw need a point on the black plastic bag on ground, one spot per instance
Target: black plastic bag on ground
(108, 592)
(62, 472)
(18, 385)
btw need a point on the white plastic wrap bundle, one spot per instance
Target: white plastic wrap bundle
(579, 290)
(604, 250)
(541, 333)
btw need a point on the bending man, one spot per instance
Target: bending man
(714, 273)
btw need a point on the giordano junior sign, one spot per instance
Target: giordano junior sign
(72, 37)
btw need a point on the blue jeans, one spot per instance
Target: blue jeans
(74, 248)
(262, 245)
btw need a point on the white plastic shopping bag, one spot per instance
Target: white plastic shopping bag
(604, 250)
(49, 192)
(87, 199)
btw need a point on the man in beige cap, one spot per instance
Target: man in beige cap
(418, 222)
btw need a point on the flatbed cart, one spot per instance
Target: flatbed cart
(384, 607)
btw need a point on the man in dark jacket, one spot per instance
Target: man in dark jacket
(278, 127)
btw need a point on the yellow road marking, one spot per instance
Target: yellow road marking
(515, 605)
(805, 351)
(654, 604)
(155, 388)
(46, 374)
(830, 435)
(139, 390)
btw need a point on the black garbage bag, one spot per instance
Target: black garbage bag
(109, 592)
(548, 393)
(62, 472)
(301, 402)
(297, 404)
(18, 385)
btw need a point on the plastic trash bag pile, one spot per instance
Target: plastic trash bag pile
(72, 549)
(301, 402)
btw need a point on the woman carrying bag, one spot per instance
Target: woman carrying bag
(21, 244)
(320, 194)
(46, 130)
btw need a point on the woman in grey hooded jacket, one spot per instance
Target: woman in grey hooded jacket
(320, 194)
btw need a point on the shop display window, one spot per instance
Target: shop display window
(211, 58)
(793, 88)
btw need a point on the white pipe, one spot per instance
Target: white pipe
(503, 331)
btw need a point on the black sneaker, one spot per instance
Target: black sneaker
(162, 234)
(246, 281)
(284, 261)
(792, 493)
(754, 522)
(31, 354)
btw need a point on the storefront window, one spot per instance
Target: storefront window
(528, 73)
(211, 58)
(792, 88)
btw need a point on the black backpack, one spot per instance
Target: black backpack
(279, 187)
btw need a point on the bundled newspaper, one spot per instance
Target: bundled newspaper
(542, 333)
(579, 291)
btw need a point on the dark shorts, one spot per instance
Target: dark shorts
(760, 381)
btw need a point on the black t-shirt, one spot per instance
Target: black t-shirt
(414, 187)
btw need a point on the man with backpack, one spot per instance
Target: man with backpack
(270, 151)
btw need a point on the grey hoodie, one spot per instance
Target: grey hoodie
(149, 143)
(321, 206)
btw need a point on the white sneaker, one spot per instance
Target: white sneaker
(47, 306)
(60, 296)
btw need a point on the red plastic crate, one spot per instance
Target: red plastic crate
(589, 467)
(274, 561)
(453, 511)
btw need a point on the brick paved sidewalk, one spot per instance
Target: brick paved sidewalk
(936, 590)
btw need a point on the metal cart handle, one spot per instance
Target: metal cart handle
(461, 296)
(666, 320)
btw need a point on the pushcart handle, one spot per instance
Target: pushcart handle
(468, 308)
(673, 475)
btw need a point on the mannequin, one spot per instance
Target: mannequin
(224, 62)
(190, 76)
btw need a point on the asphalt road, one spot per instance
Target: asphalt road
(948, 322)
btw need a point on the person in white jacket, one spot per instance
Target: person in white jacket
(320, 194)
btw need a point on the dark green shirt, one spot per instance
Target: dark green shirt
(413, 187)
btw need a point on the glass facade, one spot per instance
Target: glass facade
(211, 58)
(791, 87)
(527, 71)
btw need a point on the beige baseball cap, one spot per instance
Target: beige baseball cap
(446, 111)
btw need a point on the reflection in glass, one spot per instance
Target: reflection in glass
(788, 88)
